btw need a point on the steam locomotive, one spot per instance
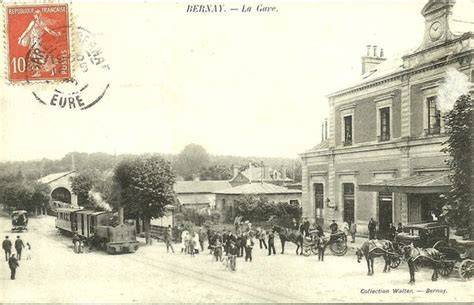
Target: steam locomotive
(104, 230)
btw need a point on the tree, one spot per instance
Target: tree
(24, 195)
(215, 172)
(192, 158)
(458, 146)
(82, 185)
(258, 208)
(145, 186)
(40, 198)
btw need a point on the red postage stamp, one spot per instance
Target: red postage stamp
(38, 42)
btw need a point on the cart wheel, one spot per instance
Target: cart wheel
(315, 250)
(111, 250)
(395, 261)
(306, 250)
(466, 269)
(339, 247)
(440, 244)
(446, 269)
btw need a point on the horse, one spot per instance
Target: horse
(294, 236)
(373, 248)
(413, 254)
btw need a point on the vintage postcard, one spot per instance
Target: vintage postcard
(237, 151)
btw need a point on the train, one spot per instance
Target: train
(103, 229)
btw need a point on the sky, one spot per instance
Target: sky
(249, 84)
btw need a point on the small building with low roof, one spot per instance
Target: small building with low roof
(199, 194)
(225, 199)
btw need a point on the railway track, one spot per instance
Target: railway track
(258, 293)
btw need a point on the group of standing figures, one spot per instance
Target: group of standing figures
(13, 258)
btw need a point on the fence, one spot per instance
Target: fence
(158, 232)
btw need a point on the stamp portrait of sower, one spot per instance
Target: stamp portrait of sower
(38, 42)
(31, 38)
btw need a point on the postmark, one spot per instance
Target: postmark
(38, 42)
(90, 81)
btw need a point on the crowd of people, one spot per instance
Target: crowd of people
(22, 250)
(239, 242)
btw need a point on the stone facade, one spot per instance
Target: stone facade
(389, 132)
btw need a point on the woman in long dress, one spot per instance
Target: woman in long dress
(27, 251)
(184, 241)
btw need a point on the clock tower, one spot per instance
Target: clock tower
(437, 15)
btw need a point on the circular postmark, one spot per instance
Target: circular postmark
(89, 82)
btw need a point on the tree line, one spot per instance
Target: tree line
(191, 163)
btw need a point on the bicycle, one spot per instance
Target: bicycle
(230, 261)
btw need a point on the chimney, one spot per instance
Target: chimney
(370, 61)
(235, 170)
(120, 216)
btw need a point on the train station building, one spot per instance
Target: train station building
(61, 190)
(381, 155)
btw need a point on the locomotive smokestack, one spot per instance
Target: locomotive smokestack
(120, 216)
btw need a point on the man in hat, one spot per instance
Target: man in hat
(372, 226)
(271, 243)
(19, 245)
(7, 247)
(249, 243)
(13, 264)
(333, 227)
(167, 239)
(76, 241)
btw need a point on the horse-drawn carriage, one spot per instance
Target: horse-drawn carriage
(19, 221)
(337, 243)
(456, 251)
(423, 235)
(434, 235)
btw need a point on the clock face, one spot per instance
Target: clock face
(436, 30)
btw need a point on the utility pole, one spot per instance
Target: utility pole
(73, 165)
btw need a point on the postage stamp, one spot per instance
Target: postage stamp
(38, 42)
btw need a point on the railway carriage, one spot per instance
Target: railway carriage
(102, 229)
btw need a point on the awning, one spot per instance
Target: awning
(421, 184)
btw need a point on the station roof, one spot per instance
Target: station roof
(194, 199)
(52, 177)
(210, 186)
(434, 183)
(258, 188)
